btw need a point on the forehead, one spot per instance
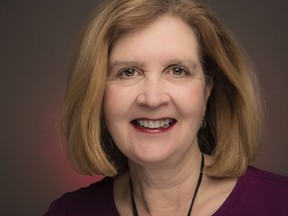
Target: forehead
(167, 37)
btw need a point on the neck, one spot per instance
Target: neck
(167, 190)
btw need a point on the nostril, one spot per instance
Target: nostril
(153, 99)
(140, 99)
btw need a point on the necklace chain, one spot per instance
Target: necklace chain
(134, 208)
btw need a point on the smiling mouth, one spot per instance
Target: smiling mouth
(153, 124)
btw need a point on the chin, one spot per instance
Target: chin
(151, 159)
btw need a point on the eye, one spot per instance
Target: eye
(179, 71)
(128, 72)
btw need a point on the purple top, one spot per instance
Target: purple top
(257, 192)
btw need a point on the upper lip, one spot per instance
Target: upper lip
(153, 119)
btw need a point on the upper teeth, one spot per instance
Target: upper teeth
(164, 123)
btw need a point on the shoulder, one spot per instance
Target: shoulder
(266, 191)
(268, 182)
(257, 192)
(94, 199)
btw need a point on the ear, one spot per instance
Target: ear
(208, 87)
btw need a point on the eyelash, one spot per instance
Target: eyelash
(184, 72)
(182, 69)
(123, 73)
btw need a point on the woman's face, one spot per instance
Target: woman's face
(155, 96)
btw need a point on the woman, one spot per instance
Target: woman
(161, 99)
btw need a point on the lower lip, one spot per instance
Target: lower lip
(152, 131)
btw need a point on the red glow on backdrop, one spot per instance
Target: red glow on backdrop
(64, 176)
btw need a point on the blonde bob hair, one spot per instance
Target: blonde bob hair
(233, 115)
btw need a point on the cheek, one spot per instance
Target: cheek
(191, 100)
(109, 103)
(116, 106)
(117, 102)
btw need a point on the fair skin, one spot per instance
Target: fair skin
(154, 103)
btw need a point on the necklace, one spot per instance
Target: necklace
(134, 208)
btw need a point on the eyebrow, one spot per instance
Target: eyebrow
(172, 61)
(189, 62)
(125, 64)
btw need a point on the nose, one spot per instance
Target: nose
(154, 94)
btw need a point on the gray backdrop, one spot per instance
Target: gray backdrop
(36, 40)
